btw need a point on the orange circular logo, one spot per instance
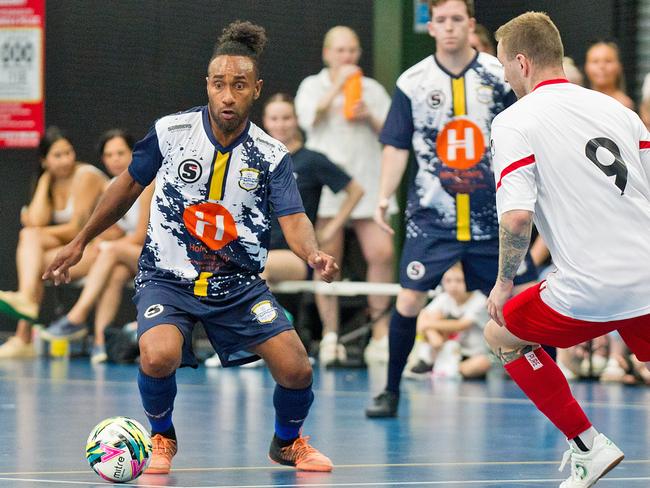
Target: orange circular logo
(460, 144)
(210, 223)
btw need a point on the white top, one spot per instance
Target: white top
(580, 161)
(353, 146)
(474, 309)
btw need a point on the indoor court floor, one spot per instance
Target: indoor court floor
(449, 434)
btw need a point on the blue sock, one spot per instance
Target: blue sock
(401, 337)
(158, 400)
(291, 409)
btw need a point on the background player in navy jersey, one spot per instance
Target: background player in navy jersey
(217, 177)
(578, 163)
(442, 108)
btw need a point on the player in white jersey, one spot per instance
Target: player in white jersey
(219, 179)
(577, 163)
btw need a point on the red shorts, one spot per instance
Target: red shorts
(530, 319)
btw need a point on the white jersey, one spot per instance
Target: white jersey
(580, 161)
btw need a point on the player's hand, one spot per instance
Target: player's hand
(499, 295)
(325, 264)
(59, 269)
(380, 216)
(344, 73)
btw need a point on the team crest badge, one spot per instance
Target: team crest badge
(264, 312)
(485, 94)
(249, 178)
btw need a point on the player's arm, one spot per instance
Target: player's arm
(393, 165)
(299, 234)
(396, 136)
(515, 174)
(115, 202)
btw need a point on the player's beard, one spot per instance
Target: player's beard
(235, 123)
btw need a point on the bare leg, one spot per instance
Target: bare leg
(110, 300)
(328, 305)
(287, 360)
(377, 248)
(284, 265)
(30, 256)
(475, 367)
(109, 255)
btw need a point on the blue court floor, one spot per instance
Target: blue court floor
(449, 434)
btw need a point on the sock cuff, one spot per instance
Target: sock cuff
(293, 392)
(535, 359)
(156, 383)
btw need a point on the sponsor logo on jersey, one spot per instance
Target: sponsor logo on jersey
(264, 312)
(415, 270)
(153, 311)
(485, 94)
(190, 171)
(435, 99)
(210, 223)
(174, 128)
(460, 144)
(249, 178)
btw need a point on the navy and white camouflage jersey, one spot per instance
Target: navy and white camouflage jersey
(446, 119)
(210, 213)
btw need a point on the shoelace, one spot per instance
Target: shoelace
(300, 448)
(565, 459)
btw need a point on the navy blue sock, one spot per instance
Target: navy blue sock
(158, 400)
(401, 337)
(291, 409)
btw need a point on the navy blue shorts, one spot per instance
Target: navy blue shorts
(425, 260)
(234, 323)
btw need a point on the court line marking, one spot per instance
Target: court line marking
(306, 485)
(443, 398)
(336, 466)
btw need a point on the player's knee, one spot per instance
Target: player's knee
(410, 303)
(158, 362)
(298, 377)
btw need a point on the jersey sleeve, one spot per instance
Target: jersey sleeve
(146, 159)
(330, 174)
(398, 128)
(514, 170)
(284, 195)
(644, 146)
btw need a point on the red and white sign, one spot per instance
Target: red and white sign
(22, 61)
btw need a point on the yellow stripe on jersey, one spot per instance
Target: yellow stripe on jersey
(463, 232)
(201, 285)
(218, 174)
(458, 96)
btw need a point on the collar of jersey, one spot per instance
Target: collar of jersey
(554, 81)
(208, 131)
(464, 70)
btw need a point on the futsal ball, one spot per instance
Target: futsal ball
(118, 449)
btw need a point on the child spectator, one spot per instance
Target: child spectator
(453, 321)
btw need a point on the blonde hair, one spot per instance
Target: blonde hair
(338, 29)
(534, 35)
